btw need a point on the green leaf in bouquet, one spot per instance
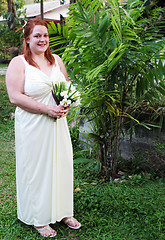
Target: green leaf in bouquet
(70, 97)
(69, 89)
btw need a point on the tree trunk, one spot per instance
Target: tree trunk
(11, 14)
(101, 159)
(116, 147)
(42, 9)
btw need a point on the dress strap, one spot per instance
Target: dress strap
(56, 62)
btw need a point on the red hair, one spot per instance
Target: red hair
(28, 29)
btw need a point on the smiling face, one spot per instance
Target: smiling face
(38, 40)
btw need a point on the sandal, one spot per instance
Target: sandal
(71, 219)
(47, 227)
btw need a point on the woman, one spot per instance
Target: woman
(44, 161)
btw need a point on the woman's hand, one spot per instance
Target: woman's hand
(57, 111)
(65, 111)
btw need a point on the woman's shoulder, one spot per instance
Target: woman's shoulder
(56, 56)
(17, 59)
(17, 63)
(58, 59)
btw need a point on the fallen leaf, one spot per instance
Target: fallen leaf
(146, 173)
(93, 183)
(121, 173)
(85, 183)
(77, 189)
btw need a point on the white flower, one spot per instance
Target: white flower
(73, 89)
(75, 95)
(77, 102)
(64, 94)
(69, 85)
(65, 102)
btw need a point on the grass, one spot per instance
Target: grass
(2, 65)
(134, 209)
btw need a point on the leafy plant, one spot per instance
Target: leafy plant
(10, 42)
(11, 34)
(117, 56)
(13, 13)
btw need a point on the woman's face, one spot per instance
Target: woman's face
(38, 40)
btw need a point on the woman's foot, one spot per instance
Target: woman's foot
(71, 222)
(46, 231)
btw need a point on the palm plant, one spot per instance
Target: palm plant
(116, 56)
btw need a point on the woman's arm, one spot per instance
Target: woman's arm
(15, 88)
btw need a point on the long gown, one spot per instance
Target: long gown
(44, 159)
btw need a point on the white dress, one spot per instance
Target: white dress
(44, 159)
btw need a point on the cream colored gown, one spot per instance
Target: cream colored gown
(44, 161)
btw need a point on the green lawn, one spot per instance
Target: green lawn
(134, 209)
(3, 65)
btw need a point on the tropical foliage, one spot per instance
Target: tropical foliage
(11, 35)
(12, 13)
(116, 56)
(10, 42)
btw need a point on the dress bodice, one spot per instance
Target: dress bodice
(38, 85)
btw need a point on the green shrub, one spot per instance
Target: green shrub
(10, 42)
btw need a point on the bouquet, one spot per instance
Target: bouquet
(65, 94)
